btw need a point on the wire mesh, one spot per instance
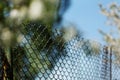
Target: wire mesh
(43, 55)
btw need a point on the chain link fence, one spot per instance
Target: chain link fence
(43, 55)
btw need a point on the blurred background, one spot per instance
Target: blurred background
(38, 36)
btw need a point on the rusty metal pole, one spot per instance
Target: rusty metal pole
(110, 63)
(105, 62)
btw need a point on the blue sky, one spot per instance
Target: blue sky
(85, 14)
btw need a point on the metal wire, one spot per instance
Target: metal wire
(45, 56)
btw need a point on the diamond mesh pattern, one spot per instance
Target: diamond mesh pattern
(45, 56)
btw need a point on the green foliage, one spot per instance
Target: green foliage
(17, 12)
(26, 27)
(36, 49)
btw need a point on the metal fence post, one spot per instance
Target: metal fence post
(110, 63)
(105, 62)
